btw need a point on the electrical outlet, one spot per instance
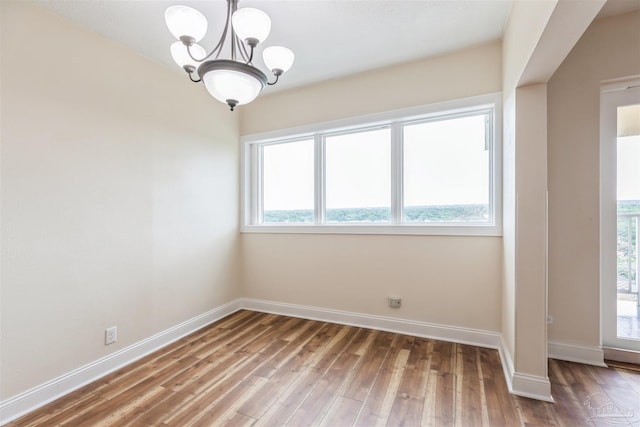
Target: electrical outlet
(549, 320)
(111, 335)
(395, 302)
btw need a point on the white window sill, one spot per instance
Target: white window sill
(419, 230)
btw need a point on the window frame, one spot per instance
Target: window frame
(251, 160)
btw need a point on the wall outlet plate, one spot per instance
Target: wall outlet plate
(111, 335)
(395, 302)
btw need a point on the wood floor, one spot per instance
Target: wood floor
(266, 370)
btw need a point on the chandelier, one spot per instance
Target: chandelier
(234, 81)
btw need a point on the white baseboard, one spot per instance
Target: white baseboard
(520, 384)
(36, 397)
(591, 355)
(531, 386)
(455, 334)
(507, 363)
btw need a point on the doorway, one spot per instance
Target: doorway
(620, 218)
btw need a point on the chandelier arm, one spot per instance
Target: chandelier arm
(193, 57)
(223, 37)
(218, 49)
(250, 55)
(195, 81)
(242, 49)
(275, 81)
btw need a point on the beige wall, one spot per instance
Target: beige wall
(609, 49)
(119, 198)
(461, 74)
(508, 288)
(530, 225)
(447, 280)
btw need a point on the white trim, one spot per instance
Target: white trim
(520, 384)
(491, 102)
(589, 355)
(397, 177)
(507, 363)
(623, 83)
(620, 355)
(417, 230)
(613, 94)
(318, 179)
(477, 337)
(38, 396)
(531, 386)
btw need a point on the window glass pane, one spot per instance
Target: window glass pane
(358, 177)
(628, 231)
(446, 171)
(287, 182)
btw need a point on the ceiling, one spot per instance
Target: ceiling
(330, 38)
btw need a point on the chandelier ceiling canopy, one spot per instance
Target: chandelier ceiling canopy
(235, 80)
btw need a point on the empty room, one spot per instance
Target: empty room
(320, 212)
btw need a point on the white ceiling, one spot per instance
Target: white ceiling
(330, 38)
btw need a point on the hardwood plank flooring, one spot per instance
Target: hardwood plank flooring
(257, 369)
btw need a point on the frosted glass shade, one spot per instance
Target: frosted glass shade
(232, 81)
(181, 56)
(250, 23)
(278, 58)
(185, 21)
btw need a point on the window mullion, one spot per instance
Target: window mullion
(396, 173)
(489, 138)
(258, 205)
(319, 181)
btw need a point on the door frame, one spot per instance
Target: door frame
(612, 95)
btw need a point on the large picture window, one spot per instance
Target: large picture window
(287, 182)
(446, 170)
(432, 170)
(358, 177)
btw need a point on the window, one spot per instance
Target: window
(446, 170)
(430, 170)
(358, 177)
(287, 182)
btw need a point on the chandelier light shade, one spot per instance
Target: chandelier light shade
(233, 81)
(181, 56)
(185, 21)
(278, 59)
(251, 25)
